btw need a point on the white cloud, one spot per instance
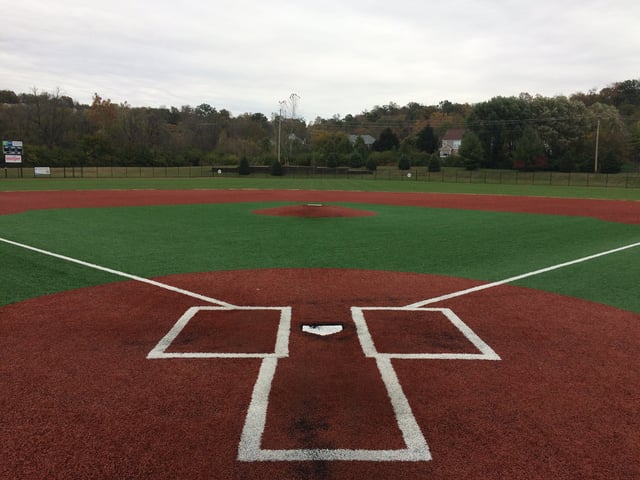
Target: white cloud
(339, 57)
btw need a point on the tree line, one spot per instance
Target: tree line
(525, 132)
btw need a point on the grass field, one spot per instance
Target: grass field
(405, 185)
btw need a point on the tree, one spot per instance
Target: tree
(610, 162)
(361, 148)
(9, 97)
(386, 141)
(498, 123)
(471, 151)
(529, 151)
(426, 140)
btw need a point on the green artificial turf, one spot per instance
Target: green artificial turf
(162, 240)
(318, 183)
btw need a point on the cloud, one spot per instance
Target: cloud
(340, 57)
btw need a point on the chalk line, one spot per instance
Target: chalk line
(518, 277)
(120, 274)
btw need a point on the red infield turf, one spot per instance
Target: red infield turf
(505, 383)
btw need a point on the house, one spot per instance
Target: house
(451, 142)
(367, 139)
(293, 138)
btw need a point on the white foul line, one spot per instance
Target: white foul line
(120, 274)
(518, 277)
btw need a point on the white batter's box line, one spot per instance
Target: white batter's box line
(281, 349)
(250, 449)
(370, 350)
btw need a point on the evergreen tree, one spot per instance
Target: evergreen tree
(471, 151)
(426, 140)
(386, 141)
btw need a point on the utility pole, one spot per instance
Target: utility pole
(595, 168)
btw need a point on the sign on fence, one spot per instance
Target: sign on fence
(12, 147)
(41, 171)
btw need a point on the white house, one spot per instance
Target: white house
(451, 142)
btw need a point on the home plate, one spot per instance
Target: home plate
(322, 330)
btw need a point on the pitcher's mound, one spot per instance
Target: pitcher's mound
(314, 210)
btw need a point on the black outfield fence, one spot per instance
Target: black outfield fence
(446, 175)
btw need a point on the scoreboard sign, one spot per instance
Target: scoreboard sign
(12, 151)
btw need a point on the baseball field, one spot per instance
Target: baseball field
(260, 329)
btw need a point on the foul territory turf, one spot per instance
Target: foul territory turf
(282, 334)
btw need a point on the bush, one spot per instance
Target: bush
(610, 163)
(243, 167)
(333, 160)
(420, 159)
(371, 165)
(277, 170)
(434, 163)
(356, 160)
(384, 158)
(404, 163)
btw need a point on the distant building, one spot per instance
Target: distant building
(451, 142)
(294, 138)
(367, 139)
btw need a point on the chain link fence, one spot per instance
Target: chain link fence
(445, 175)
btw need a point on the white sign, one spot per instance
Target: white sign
(13, 158)
(41, 171)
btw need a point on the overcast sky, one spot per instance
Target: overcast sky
(340, 57)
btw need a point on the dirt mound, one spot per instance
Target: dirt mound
(314, 210)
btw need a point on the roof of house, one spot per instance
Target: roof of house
(454, 134)
(368, 139)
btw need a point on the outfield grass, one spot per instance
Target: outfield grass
(163, 240)
(380, 185)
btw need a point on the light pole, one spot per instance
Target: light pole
(595, 167)
(283, 108)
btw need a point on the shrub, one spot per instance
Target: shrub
(434, 163)
(243, 167)
(356, 160)
(277, 169)
(371, 165)
(404, 163)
